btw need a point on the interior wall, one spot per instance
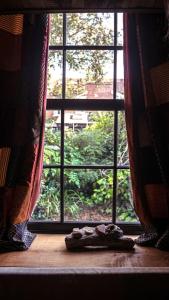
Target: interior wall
(27, 5)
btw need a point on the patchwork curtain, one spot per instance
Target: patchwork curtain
(23, 58)
(147, 118)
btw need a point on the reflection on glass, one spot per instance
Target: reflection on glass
(56, 29)
(89, 138)
(120, 76)
(54, 87)
(52, 137)
(122, 153)
(89, 74)
(120, 29)
(90, 29)
(48, 205)
(88, 195)
(125, 209)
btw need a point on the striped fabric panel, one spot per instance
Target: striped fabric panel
(4, 159)
(19, 210)
(160, 83)
(157, 200)
(12, 24)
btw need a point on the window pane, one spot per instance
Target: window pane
(120, 29)
(122, 153)
(120, 76)
(54, 89)
(89, 74)
(89, 138)
(125, 209)
(56, 29)
(52, 137)
(48, 205)
(90, 29)
(88, 195)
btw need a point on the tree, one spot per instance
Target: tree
(82, 29)
(93, 144)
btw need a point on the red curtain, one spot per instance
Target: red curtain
(147, 118)
(23, 59)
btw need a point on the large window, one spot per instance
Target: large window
(86, 175)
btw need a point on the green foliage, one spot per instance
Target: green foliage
(82, 29)
(48, 204)
(85, 189)
(125, 211)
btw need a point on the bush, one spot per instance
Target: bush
(85, 189)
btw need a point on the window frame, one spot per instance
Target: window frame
(115, 105)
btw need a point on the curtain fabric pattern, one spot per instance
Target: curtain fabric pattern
(23, 57)
(147, 117)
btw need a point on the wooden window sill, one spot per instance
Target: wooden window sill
(48, 271)
(48, 251)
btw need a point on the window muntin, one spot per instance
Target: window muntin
(120, 37)
(48, 204)
(83, 200)
(122, 145)
(52, 143)
(97, 31)
(120, 75)
(70, 57)
(124, 206)
(85, 143)
(55, 67)
(56, 29)
(90, 81)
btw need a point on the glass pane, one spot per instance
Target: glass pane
(52, 137)
(125, 209)
(88, 195)
(48, 205)
(120, 29)
(54, 88)
(56, 29)
(89, 74)
(122, 153)
(90, 29)
(89, 138)
(120, 75)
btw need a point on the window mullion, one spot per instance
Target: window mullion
(115, 124)
(90, 104)
(64, 58)
(84, 47)
(62, 169)
(62, 124)
(78, 102)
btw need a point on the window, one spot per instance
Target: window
(86, 175)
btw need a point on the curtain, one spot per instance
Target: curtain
(23, 58)
(147, 118)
